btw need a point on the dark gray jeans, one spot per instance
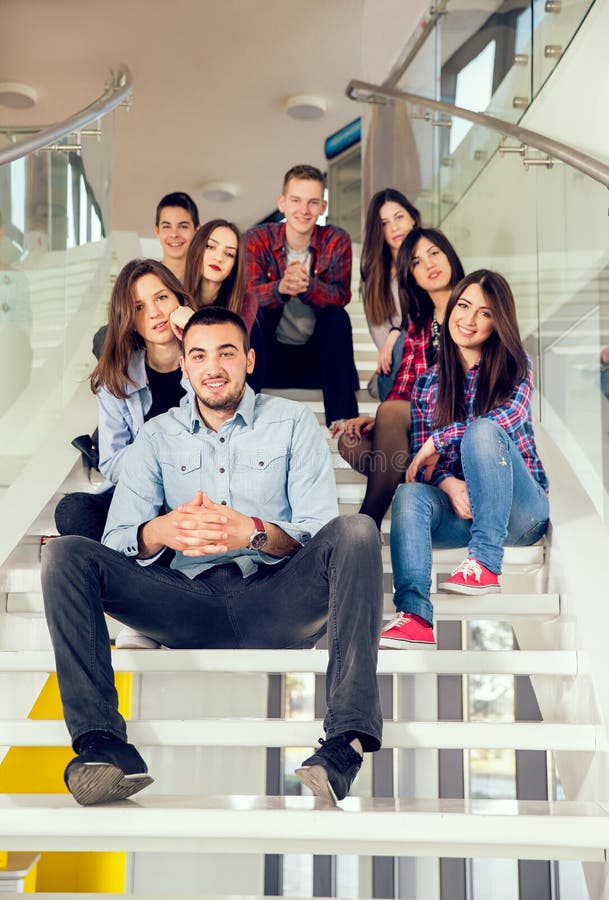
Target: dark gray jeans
(333, 584)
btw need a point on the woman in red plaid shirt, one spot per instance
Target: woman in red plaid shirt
(476, 480)
(428, 268)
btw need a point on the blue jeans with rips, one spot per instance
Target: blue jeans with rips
(508, 507)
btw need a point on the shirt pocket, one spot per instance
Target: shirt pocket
(258, 476)
(181, 476)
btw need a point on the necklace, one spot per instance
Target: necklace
(435, 335)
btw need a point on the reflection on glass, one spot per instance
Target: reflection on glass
(51, 291)
(474, 90)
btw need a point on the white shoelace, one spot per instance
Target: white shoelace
(398, 619)
(469, 567)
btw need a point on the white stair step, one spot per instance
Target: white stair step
(455, 607)
(514, 662)
(68, 895)
(383, 827)
(250, 732)
(22, 573)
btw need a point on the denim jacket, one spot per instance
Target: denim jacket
(120, 420)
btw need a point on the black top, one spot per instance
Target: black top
(166, 391)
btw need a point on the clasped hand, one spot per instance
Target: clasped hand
(295, 280)
(202, 527)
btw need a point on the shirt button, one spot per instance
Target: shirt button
(222, 440)
(182, 468)
(221, 471)
(223, 502)
(261, 463)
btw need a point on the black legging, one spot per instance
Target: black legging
(381, 455)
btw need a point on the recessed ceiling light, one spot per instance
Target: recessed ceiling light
(218, 191)
(17, 96)
(305, 106)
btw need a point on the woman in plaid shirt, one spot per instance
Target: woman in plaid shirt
(476, 480)
(428, 268)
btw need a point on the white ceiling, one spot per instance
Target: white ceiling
(210, 78)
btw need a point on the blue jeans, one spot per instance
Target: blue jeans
(334, 583)
(508, 507)
(385, 382)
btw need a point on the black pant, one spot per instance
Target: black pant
(83, 513)
(325, 361)
(334, 583)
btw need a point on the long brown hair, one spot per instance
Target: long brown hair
(503, 359)
(232, 289)
(122, 340)
(375, 266)
(415, 301)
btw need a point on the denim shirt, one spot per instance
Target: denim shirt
(269, 460)
(121, 419)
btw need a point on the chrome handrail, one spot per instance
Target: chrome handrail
(585, 163)
(116, 92)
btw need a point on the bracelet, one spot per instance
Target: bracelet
(394, 328)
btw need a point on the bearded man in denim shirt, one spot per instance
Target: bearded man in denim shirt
(261, 561)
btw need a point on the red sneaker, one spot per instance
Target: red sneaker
(471, 577)
(404, 632)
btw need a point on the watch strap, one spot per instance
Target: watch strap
(259, 524)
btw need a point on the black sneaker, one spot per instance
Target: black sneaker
(330, 772)
(106, 769)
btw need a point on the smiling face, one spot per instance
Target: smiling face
(175, 231)
(430, 267)
(471, 323)
(219, 255)
(216, 365)
(396, 222)
(302, 203)
(153, 303)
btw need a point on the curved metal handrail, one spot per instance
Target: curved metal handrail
(115, 93)
(585, 163)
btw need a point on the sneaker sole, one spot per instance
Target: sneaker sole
(467, 589)
(317, 781)
(398, 644)
(103, 783)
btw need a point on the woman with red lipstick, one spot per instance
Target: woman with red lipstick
(138, 376)
(476, 479)
(389, 218)
(215, 270)
(427, 268)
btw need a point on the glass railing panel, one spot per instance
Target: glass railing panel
(555, 23)
(486, 58)
(53, 264)
(573, 242)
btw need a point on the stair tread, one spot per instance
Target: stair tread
(505, 607)
(260, 732)
(523, 662)
(380, 826)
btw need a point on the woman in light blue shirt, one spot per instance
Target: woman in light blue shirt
(138, 376)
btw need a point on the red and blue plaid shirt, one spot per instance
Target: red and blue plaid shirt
(266, 252)
(514, 416)
(415, 361)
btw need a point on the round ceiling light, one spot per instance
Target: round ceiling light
(305, 106)
(17, 96)
(218, 191)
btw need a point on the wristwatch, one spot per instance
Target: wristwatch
(259, 537)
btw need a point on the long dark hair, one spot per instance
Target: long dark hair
(503, 360)
(375, 266)
(232, 289)
(416, 302)
(122, 340)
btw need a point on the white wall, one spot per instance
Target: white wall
(386, 28)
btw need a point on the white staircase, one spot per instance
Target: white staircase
(203, 723)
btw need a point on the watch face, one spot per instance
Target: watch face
(258, 540)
